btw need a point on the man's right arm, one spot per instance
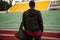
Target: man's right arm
(22, 23)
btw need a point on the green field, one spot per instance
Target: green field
(51, 20)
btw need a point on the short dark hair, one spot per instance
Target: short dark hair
(32, 4)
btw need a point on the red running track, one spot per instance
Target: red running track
(9, 35)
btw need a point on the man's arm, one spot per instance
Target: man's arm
(22, 23)
(40, 21)
(21, 26)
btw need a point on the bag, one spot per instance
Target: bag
(20, 34)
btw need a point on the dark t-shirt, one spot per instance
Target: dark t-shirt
(32, 21)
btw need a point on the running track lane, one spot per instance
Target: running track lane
(9, 35)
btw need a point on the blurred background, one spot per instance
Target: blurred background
(17, 5)
(11, 12)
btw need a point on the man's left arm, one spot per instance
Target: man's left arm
(40, 21)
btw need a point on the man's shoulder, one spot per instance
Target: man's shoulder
(24, 12)
(37, 10)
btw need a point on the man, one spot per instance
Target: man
(32, 22)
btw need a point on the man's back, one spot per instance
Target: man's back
(31, 20)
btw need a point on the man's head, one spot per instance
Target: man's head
(32, 4)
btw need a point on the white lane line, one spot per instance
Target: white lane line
(10, 29)
(19, 24)
(41, 37)
(18, 30)
(7, 35)
(51, 38)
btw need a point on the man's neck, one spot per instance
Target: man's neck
(32, 8)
